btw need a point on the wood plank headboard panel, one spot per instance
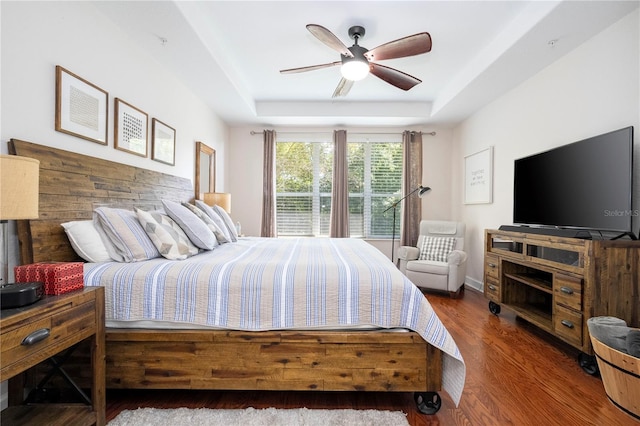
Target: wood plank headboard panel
(73, 185)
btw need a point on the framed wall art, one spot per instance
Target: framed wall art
(131, 128)
(163, 142)
(81, 107)
(478, 177)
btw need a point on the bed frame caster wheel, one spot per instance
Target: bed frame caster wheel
(588, 363)
(494, 308)
(428, 402)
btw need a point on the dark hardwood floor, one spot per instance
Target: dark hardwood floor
(516, 375)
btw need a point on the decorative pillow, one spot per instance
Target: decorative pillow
(436, 248)
(215, 228)
(197, 231)
(216, 219)
(611, 331)
(86, 241)
(166, 234)
(227, 221)
(113, 251)
(126, 234)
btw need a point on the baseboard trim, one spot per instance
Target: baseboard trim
(474, 284)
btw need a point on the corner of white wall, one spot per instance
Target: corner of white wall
(559, 105)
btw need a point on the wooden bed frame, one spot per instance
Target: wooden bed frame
(72, 185)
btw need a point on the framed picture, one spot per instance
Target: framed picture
(478, 177)
(131, 128)
(81, 107)
(163, 142)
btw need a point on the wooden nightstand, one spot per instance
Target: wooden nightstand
(69, 318)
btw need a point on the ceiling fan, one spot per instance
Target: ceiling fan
(357, 62)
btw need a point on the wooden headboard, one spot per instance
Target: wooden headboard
(73, 185)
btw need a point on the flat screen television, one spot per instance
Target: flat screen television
(583, 185)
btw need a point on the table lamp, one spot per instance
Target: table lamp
(19, 186)
(222, 199)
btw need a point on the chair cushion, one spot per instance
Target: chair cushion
(428, 266)
(441, 227)
(436, 248)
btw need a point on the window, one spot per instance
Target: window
(375, 182)
(304, 167)
(304, 170)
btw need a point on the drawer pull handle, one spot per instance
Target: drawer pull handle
(492, 265)
(567, 323)
(492, 288)
(36, 337)
(566, 290)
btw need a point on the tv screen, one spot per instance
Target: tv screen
(585, 184)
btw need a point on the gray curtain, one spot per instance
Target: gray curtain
(339, 227)
(411, 179)
(268, 227)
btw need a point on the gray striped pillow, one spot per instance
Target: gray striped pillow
(126, 234)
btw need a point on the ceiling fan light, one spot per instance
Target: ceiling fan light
(354, 70)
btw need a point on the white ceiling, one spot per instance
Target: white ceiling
(230, 53)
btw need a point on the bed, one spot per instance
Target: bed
(382, 336)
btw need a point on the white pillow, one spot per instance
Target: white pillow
(166, 234)
(86, 241)
(216, 219)
(227, 221)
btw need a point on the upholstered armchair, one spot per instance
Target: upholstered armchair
(439, 261)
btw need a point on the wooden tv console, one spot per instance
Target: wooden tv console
(558, 283)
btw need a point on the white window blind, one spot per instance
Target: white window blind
(375, 180)
(304, 169)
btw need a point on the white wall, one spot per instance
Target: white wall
(244, 166)
(592, 90)
(37, 36)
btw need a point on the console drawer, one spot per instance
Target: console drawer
(40, 338)
(568, 325)
(492, 267)
(567, 291)
(492, 289)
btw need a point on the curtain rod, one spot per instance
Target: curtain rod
(433, 133)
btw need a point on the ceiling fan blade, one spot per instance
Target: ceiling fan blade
(310, 68)
(328, 38)
(394, 77)
(343, 88)
(407, 46)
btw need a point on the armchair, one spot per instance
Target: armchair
(439, 261)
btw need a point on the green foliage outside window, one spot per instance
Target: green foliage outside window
(303, 187)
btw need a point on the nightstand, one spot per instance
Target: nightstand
(34, 333)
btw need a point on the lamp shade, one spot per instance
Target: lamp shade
(221, 199)
(19, 185)
(423, 190)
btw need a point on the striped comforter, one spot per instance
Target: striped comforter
(261, 284)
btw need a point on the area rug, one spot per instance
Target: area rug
(258, 417)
